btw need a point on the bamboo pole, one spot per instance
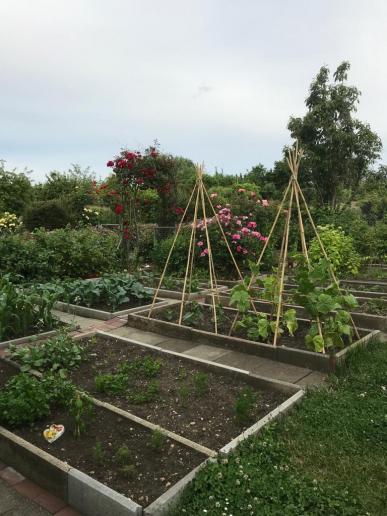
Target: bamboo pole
(209, 252)
(170, 252)
(190, 250)
(281, 287)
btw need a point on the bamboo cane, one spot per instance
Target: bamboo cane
(283, 270)
(209, 255)
(190, 250)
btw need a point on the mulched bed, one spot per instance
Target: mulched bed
(374, 307)
(153, 471)
(208, 419)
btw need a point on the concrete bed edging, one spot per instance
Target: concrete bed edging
(294, 356)
(93, 498)
(242, 374)
(365, 320)
(103, 315)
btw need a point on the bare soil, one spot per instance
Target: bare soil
(205, 417)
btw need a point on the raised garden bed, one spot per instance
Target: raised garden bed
(370, 314)
(174, 291)
(184, 396)
(35, 337)
(103, 312)
(290, 351)
(92, 474)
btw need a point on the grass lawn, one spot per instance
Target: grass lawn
(327, 457)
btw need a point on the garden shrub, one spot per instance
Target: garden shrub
(46, 214)
(339, 248)
(62, 253)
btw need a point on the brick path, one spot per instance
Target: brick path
(21, 497)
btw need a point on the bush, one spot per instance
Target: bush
(62, 253)
(339, 248)
(46, 214)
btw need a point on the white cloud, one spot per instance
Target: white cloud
(213, 80)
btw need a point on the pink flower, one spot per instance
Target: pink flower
(204, 252)
(263, 238)
(236, 236)
(213, 195)
(218, 206)
(241, 190)
(265, 202)
(245, 231)
(256, 234)
(238, 222)
(200, 244)
(245, 251)
(239, 248)
(252, 225)
(253, 194)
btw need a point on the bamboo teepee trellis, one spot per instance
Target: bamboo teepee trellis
(200, 199)
(291, 199)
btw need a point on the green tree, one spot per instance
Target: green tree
(15, 191)
(339, 148)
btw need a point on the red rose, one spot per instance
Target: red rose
(110, 164)
(140, 181)
(119, 209)
(121, 163)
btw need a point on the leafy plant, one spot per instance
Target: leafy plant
(157, 440)
(111, 383)
(200, 381)
(324, 301)
(80, 408)
(24, 310)
(145, 396)
(184, 393)
(25, 399)
(98, 453)
(122, 456)
(244, 405)
(170, 282)
(339, 248)
(193, 314)
(111, 291)
(59, 353)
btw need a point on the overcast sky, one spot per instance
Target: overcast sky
(212, 80)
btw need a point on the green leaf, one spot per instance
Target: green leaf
(318, 343)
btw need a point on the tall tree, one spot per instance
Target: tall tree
(339, 148)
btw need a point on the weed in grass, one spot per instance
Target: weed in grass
(181, 373)
(98, 453)
(244, 405)
(200, 381)
(157, 440)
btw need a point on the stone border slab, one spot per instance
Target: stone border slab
(294, 356)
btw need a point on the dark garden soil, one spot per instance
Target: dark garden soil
(7, 371)
(33, 330)
(205, 323)
(206, 417)
(143, 474)
(373, 306)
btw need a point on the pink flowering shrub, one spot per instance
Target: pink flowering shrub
(241, 233)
